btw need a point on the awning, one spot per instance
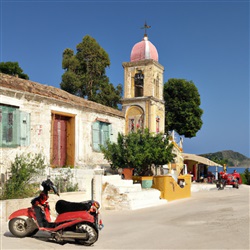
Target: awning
(199, 159)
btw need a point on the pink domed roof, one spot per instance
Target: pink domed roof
(144, 50)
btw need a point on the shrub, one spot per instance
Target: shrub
(138, 150)
(24, 170)
(247, 176)
(242, 176)
(64, 182)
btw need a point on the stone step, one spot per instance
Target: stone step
(131, 196)
(111, 178)
(145, 198)
(123, 186)
(122, 182)
(116, 180)
(144, 194)
(128, 189)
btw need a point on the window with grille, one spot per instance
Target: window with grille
(100, 134)
(14, 127)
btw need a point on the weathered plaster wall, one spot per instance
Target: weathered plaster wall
(40, 101)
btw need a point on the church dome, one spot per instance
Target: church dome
(143, 50)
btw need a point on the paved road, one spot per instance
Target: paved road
(208, 220)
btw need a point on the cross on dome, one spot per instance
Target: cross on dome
(144, 49)
(145, 27)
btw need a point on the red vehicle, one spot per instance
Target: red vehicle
(225, 178)
(75, 221)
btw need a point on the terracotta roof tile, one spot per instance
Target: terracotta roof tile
(18, 84)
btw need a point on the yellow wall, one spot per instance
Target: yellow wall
(151, 103)
(170, 190)
(152, 71)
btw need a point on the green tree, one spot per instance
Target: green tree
(247, 176)
(13, 69)
(23, 171)
(138, 150)
(182, 107)
(85, 76)
(108, 95)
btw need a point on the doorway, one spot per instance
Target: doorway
(62, 140)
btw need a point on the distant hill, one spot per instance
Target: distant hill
(234, 159)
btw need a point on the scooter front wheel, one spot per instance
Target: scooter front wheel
(19, 227)
(91, 232)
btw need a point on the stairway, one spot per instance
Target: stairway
(121, 194)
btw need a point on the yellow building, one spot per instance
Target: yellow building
(143, 102)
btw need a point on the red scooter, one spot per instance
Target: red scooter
(75, 221)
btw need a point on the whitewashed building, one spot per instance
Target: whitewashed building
(66, 129)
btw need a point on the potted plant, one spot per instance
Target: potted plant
(139, 150)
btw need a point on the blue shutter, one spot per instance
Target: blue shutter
(113, 133)
(14, 127)
(24, 128)
(9, 125)
(6, 128)
(96, 136)
(104, 133)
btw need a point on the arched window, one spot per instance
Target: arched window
(139, 83)
(134, 119)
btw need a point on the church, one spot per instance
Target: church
(143, 102)
(67, 130)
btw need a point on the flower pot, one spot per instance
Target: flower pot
(146, 181)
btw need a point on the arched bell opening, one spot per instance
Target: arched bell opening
(139, 84)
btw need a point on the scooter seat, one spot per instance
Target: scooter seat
(63, 206)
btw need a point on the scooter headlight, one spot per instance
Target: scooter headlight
(96, 204)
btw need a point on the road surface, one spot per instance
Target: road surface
(208, 220)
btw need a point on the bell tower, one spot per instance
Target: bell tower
(143, 102)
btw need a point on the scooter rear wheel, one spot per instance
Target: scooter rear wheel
(19, 227)
(91, 232)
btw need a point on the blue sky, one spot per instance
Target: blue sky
(203, 41)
